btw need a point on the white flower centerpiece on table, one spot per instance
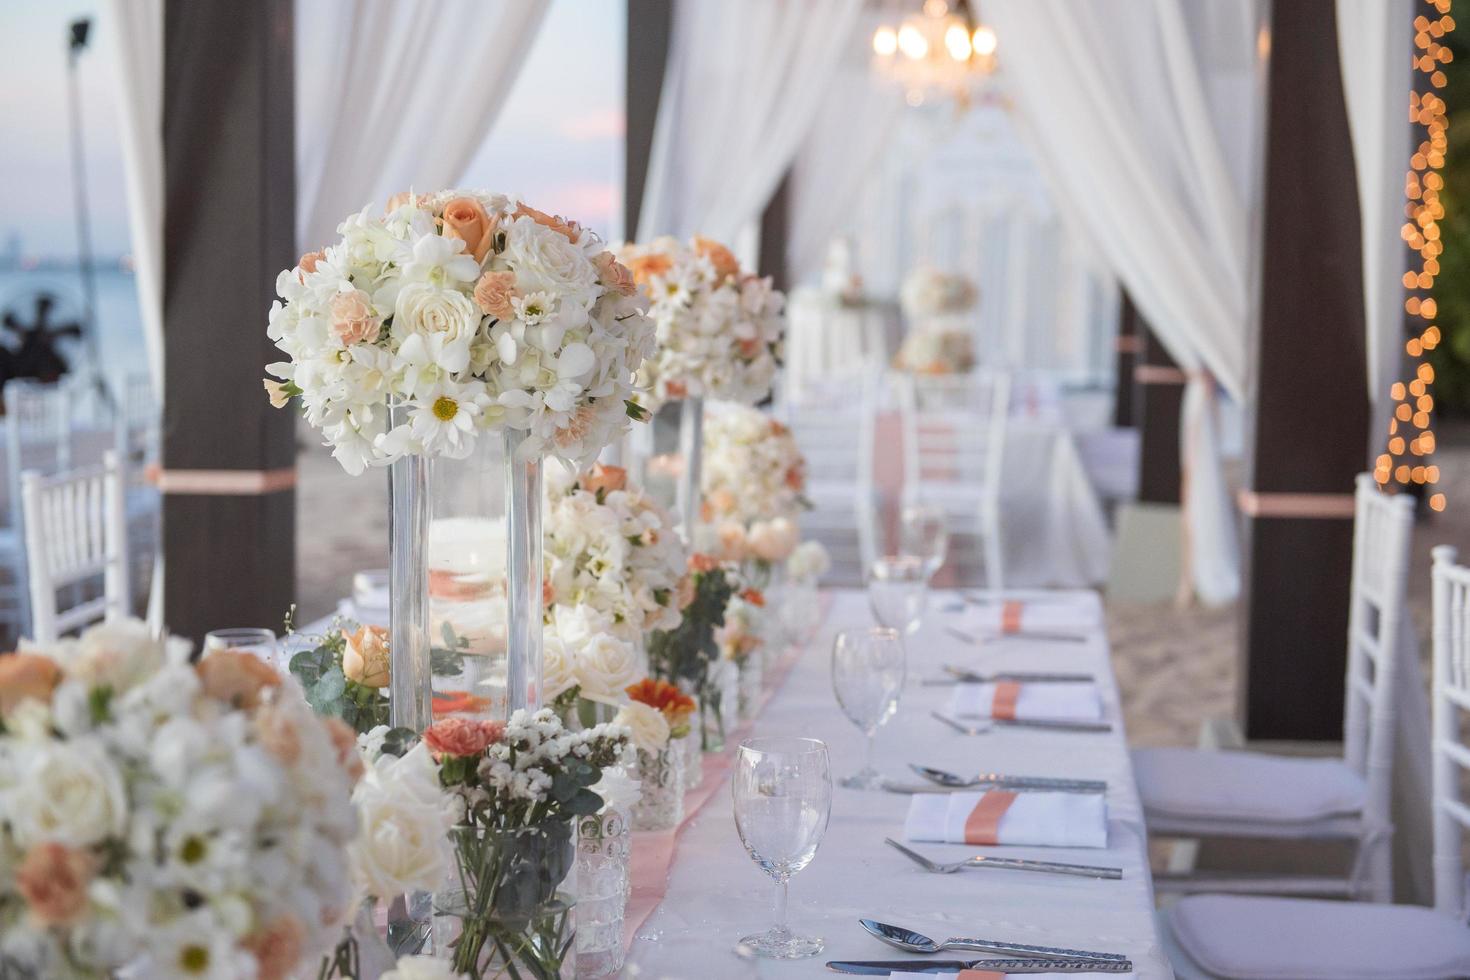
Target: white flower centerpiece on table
(938, 340)
(752, 482)
(169, 819)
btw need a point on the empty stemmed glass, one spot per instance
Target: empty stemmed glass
(261, 642)
(898, 591)
(924, 533)
(868, 668)
(783, 797)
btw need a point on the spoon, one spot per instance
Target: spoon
(954, 780)
(916, 942)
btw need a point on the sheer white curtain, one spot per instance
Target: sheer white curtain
(854, 124)
(134, 29)
(1373, 43)
(1143, 118)
(743, 84)
(391, 95)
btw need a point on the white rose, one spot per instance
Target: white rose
(618, 789)
(69, 793)
(557, 675)
(543, 259)
(605, 666)
(403, 819)
(425, 309)
(422, 968)
(809, 561)
(649, 730)
(773, 540)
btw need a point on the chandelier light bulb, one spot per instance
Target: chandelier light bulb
(912, 43)
(935, 8)
(957, 40)
(885, 42)
(984, 41)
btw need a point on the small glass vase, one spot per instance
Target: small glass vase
(689, 746)
(752, 679)
(507, 910)
(465, 583)
(719, 703)
(661, 774)
(604, 881)
(689, 493)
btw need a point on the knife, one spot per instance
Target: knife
(1018, 676)
(877, 968)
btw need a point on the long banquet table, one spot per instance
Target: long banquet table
(713, 893)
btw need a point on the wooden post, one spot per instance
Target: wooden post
(775, 220)
(1126, 345)
(649, 24)
(228, 457)
(1160, 397)
(1308, 392)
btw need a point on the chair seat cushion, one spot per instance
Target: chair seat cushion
(1242, 937)
(1245, 786)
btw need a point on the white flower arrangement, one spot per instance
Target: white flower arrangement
(927, 292)
(743, 631)
(720, 329)
(404, 818)
(809, 562)
(753, 478)
(190, 820)
(936, 350)
(615, 565)
(454, 314)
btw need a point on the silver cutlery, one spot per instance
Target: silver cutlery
(1017, 676)
(1050, 724)
(880, 968)
(981, 599)
(954, 780)
(1035, 635)
(916, 942)
(1006, 864)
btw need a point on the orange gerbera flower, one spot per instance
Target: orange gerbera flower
(671, 702)
(754, 596)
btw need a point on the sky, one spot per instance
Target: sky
(558, 140)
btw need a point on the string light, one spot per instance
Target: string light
(1410, 437)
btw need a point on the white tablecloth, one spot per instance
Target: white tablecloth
(716, 893)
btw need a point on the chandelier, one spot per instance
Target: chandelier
(942, 51)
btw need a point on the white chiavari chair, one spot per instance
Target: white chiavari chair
(954, 434)
(1193, 793)
(1225, 937)
(75, 534)
(136, 440)
(834, 427)
(38, 424)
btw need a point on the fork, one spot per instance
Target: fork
(1006, 864)
(1036, 635)
(1051, 724)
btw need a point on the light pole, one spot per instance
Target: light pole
(77, 43)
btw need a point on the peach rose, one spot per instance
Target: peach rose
(353, 321)
(605, 478)
(684, 592)
(462, 736)
(796, 477)
(615, 276)
(307, 263)
(276, 947)
(278, 734)
(276, 392)
(465, 219)
(750, 347)
(53, 879)
(722, 501)
(733, 540)
(344, 741)
(24, 676)
(676, 389)
(365, 658)
(719, 256)
(406, 197)
(237, 677)
(645, 267)
(494, 292)
(556, 223)
(700, 562)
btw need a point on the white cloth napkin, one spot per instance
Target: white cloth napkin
(1053, 615)
(1040, 819)
(1066, 701)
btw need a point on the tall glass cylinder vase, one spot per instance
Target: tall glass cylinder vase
(465, 583)
(691, 451)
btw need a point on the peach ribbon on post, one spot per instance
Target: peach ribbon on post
(1010, 616)
(982, 826)
(1003, 702)
(979, 975)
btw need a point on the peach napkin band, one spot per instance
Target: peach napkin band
(1003, 702)
(982, 826)
(1010, 616)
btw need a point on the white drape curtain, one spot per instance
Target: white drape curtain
(742, 87)
(134, 30)
(391, 95)
(1143, 117)
(1374, 39)
(853, 125)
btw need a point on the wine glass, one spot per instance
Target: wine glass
(868, 668)
(924, 532)
(261, 642)
(783, 796)
(898, 591)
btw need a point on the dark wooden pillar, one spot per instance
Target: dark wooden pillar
(1308, 393)
(1160, 395)
(228, 457)
(649, 23)
(775, 220)
(1126, 346)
